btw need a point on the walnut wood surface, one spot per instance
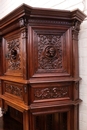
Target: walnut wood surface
(39, 68)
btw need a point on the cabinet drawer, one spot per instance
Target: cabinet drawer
(51, 91)
(15, 91)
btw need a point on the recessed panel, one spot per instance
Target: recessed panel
(51, 92)
(49, 52)
(13, 61)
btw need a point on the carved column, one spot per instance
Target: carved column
(23, 28)
(26, 120)
(75, 31)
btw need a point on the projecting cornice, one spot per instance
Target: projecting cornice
(27, 13)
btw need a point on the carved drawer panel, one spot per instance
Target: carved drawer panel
(51, 92)
(15, 91)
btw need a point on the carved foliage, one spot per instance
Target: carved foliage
(76, 25)
(12, 89)
(49, 52)
(75, 29)
(54, 92)
(13, 54)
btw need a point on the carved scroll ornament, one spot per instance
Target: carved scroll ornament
(12, 89)
(48, 93)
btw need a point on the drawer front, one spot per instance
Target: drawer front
(51, 92)
(15, 91)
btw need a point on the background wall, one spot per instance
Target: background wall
(6, 6)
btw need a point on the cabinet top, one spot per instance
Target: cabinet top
(26, 11)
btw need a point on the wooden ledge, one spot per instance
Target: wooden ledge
(55, 104)
(39, 80)
(15, 104)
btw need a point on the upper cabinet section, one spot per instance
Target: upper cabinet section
(39, 43)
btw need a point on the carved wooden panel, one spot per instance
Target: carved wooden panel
(13, 54)
(15, 91)
(49, 52)
(49, 92)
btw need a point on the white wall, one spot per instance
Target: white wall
(83, 71)
(7, 6)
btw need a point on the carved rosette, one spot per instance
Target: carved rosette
(13, 54)
(54, 92)
(14, 90)
(49, 52)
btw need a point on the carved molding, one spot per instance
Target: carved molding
(47, 93)
(49, 52)
(49, 22)
(12, 89)
(13, 54)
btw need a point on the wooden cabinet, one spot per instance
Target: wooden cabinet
(39, 67)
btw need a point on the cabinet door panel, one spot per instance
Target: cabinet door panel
(13, 54)
(50, 53)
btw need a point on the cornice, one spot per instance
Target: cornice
(27, 12)
(78, 15)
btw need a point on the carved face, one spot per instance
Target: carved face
(14, 54)
(50, 51)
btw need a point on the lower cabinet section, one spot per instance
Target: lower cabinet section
(54, 121)
(42, 106)
(54, 118)
(17, 115)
